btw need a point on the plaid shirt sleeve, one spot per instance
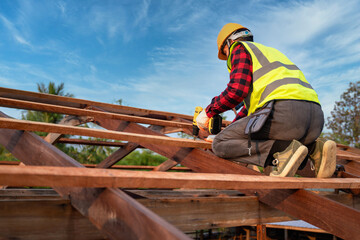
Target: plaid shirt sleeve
(237, 88)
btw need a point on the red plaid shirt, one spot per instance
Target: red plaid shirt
(238, 87)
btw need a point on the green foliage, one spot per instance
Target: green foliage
(184, 135)
(5, 155)
(87, 153)
(143, 157)
(51, 88)
(345, 118)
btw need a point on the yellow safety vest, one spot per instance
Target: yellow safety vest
(275, 77)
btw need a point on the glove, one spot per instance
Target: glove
(202, 120)
(210, 138)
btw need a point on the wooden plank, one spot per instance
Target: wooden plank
(341, 224)
(132, 137)
(348, 149)
(124, 167)
(82, 103)
(92, 142)
(168, 164)
(118, 155)
(352, 167)
(91, 177)
(5, 102)
(340, 154)
(110, 210)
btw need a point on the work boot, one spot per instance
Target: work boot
(323, 158)
(289, 160)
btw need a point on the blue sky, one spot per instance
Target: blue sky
(162, 55)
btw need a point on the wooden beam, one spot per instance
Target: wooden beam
(110, 210)
(124, 167)
(92, 142)
(5, 102)
(121, 153)
(68, 121)
(168, 164)
(132, 137)
(82, 103)
(348, 149)
(340, 154)
(261, 232)
(341, 224)
(352, 167)
(118, 155)
(205, 161)
(91, 177)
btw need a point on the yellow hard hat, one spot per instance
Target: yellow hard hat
(224, 34)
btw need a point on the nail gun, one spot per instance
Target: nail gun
(215, 123)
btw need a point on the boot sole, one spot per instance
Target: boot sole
(328, 162)
(293, 164)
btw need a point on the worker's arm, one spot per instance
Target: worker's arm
(242, 113)
(238, 86)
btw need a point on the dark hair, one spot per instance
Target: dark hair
(244, 38)
(247, 39)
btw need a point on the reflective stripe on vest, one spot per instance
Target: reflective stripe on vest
(274, 77)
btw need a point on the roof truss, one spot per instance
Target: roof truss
(100, 205)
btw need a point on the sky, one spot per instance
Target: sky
(162, 54)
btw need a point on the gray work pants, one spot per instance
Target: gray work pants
(289, 119)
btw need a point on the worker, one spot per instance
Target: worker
(281, 119)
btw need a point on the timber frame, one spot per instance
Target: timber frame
(108, 199)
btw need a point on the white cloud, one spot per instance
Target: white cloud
(298, 22)
(14, 32)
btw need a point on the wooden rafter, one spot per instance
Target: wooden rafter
(82, 103)
(123, 167)
(168, 164)
(21, 104)
(92, 177)
(55, 128)
(92, 142)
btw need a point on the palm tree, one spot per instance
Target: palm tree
(51, 88)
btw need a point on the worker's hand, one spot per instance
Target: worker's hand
(210, 138)
(202, 120)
